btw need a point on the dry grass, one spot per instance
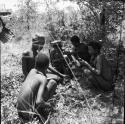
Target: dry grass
(70, 103)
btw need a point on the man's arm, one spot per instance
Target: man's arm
(74, 53)
(24, 66)
(55, 71)
(41, 91)
(75, 61)
(96, 70)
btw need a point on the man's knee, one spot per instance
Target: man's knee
(92, 81)
(53, 81)
(52, 84)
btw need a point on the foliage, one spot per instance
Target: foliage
(70, 101)
(62, 25)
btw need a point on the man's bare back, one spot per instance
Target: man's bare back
(29, 92)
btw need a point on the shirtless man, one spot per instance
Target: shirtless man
(80, 49)
(99, 72)
(28, 57)
(36, 90)
(58, 59)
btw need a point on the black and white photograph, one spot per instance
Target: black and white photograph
(62, 61)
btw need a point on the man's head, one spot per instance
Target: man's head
(42, 61)
(94, 47)
(75, 40)
(37, 44)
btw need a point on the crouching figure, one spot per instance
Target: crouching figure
(99, 71)
(35, 91)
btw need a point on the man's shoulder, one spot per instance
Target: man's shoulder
(83, 45)
(104, 60)
(100, 57)
(38, 75)
(41, 78)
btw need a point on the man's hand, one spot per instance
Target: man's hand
(87, 72)
(77, 63)
(85, 63)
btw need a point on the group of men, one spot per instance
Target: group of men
(41, 77)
